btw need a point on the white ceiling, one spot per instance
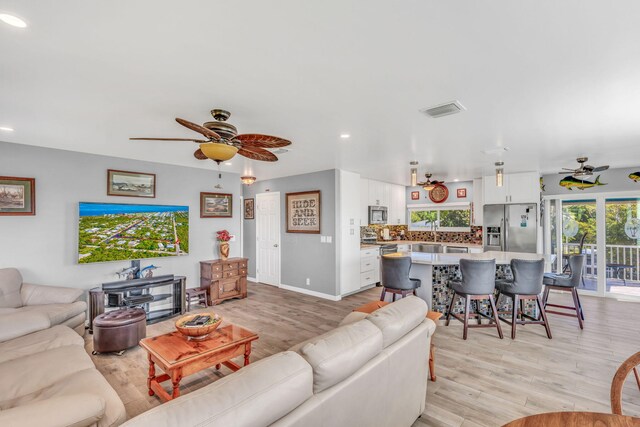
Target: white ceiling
(550, 80)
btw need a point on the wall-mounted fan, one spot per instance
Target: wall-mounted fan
(429, 185)
(583, 169)
(223, 141)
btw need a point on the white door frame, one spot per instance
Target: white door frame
(269, 193)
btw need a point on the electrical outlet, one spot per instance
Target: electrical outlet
(308, 281)
(329, 238)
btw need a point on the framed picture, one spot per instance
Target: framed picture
(17, 196)
(216, 205)
(303, 212)
(249, 209)
(461, 193)
(415, 195)
(131, 184)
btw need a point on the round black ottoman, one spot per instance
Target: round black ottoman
(118, 330)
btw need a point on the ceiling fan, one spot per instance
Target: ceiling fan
(584, 170)
(429, 184)
(223, 142)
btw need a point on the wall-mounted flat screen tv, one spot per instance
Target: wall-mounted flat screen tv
(119, 231)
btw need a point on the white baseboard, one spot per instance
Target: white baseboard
(252, 279)
(310, 292)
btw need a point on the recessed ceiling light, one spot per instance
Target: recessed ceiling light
(6, 128)
(228, 163)
(345, 136)
(12, 20)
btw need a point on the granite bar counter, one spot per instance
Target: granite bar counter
(435, 270)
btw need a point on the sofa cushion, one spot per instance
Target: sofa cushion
(257, 395)
(57, 336)
(398, 318)
(75, 410)
(10, 283)
(339, 353)
(353, 317)
(41, 294)
(19, 323)
(31, 374)
(58, 313)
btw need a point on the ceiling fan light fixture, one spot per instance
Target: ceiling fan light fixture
(499, 174)
(248, 180)
(429, 187)
(217, 151)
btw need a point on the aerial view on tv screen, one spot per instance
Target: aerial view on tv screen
(116, 232)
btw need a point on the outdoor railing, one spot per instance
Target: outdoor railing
(615, 254)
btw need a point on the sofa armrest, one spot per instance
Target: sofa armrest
(40, 294)
(76, 410)
(17, 324)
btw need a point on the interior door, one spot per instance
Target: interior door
(268, 238)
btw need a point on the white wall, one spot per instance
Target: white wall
(348, 231)
(44, 246)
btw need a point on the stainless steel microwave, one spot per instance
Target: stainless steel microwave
(377, 214)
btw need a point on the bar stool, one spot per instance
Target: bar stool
(395, 277)
(478, 283)
(567, 283)
(200, 294)
(525, 286)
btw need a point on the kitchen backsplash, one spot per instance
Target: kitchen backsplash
(395, 231)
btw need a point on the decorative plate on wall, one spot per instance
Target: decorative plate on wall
(439, 194)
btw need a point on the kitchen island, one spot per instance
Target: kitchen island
(435, 270)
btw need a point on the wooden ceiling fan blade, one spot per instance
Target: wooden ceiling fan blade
(262, 141)
(200, 129)
(256, 153)
(198, 154)
(200, 141)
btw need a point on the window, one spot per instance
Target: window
(440, 218)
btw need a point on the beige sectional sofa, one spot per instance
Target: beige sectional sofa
(45, 304)
(369, 371)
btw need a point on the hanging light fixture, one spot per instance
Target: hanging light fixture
(414, 173)
(248, 180)
(499, 174)
(218, 151)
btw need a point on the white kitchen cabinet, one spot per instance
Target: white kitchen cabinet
(517, 188)
(478, 202)
(397, 205)
(364, 201)
(369, 266)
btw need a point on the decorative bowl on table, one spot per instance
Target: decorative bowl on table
(198, 332)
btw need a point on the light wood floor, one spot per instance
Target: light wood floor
(483, 381)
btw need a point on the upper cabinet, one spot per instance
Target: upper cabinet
(517, 188)
(378, 193)
(478, 202)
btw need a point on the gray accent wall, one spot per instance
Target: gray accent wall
(612, 180)
(44, 247)
(302, 255)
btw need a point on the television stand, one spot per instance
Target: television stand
(158, 303)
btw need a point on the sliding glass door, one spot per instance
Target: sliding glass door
(579, 237)
(622, 251)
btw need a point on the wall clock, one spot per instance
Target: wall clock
(439, 194)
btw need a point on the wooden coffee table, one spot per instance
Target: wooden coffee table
(178, 357)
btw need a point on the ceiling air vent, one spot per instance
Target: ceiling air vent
(280, 150)
(441, 110)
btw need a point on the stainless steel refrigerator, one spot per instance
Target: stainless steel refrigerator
(512, 228)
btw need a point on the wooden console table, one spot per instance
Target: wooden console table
(224, 280)
(178, 357)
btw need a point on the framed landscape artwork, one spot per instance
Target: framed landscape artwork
(216, 205)
(303, 212)
(17, 196)
(249, 209)
(131, 184)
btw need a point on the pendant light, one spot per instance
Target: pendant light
(248, 180)
(499, 174)
(414, 173)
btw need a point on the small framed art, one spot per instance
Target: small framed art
(131, 184)
(415, 195)
(216, 205)
(249, 208)
(17, 196)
